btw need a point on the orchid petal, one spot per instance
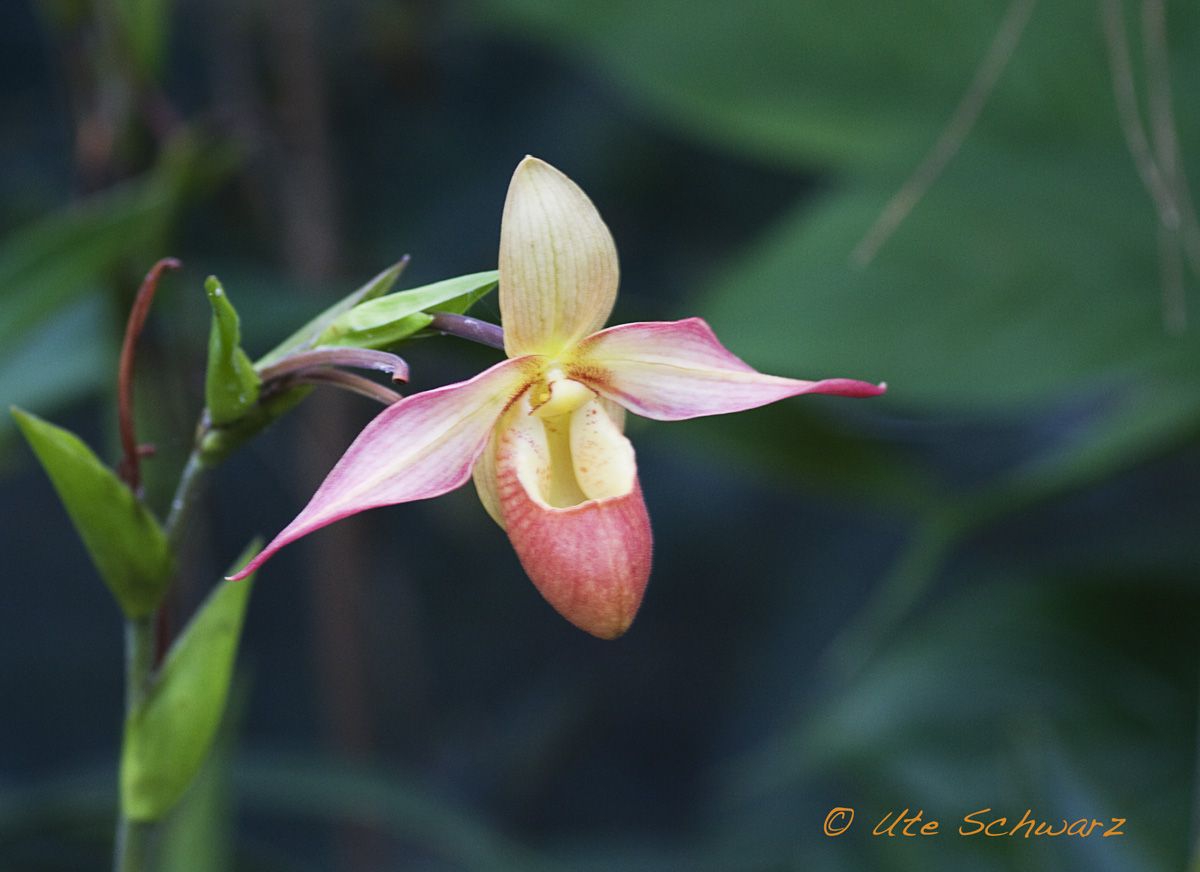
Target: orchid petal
(558, 263)
(484, 477)
(673, 370)
(590, 560)
(422, 446)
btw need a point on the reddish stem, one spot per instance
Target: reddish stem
(130, 469)
(162, 631)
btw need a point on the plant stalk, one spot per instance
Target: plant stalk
(133, 838)
(134, 842)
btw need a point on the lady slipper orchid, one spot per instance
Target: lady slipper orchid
(542, 431)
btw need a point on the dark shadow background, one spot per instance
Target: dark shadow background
(977, 592)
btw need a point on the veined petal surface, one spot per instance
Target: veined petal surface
(420, 447)
(558, 263)
(673, 370)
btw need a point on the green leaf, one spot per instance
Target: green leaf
(197, 836)
(303, 788)
(389, 319)
(1017, 280)
(144, 24)
(306, 336)
(461, 304)
(169, 733)
(380, 336)
(75, 251)
(66, 254)
(60, 360)
(125, 542)
(845, 83)
(232, 386)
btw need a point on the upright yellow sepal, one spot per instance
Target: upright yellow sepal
(558, 263)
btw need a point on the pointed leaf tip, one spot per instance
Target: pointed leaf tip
(232, 386)
(389, 319)
(307, 336)
(124, 540)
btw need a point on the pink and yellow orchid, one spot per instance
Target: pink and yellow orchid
(543, 431)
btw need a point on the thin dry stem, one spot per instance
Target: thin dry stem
(348, 381)
(1004, 44)
(359, 358)
(129, 468)
(1158, 164)
(1125, 94)
(1186, 241)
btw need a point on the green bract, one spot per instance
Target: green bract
(387, 320)
(306, 336)
(124, 540)
(231, 387)
(168, 734)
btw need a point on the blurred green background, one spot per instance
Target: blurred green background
(979, 591)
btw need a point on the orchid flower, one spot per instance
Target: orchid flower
(542, 432)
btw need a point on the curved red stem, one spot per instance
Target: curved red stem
(130, 469)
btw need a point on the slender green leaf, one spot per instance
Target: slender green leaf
(461, 304)
(168, 735)
(390, 319)
(124, 540)
(232, 386)
(381, 336)
(306, 336)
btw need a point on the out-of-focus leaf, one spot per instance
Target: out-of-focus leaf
(1143, 418)
(971, 704)
(389, 319)
(144, 26)
(850, 83)
(168, 734)
(73, 252)
(992, 295)
(797, 443)
(307, 336)
(63, 359)
(231, 387)
(335, 791)
(125, 542)
(65, 255)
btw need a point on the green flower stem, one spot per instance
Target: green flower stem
(135, 839)
(1194, 862)
(186, 493)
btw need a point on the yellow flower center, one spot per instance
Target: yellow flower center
(555, 394)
